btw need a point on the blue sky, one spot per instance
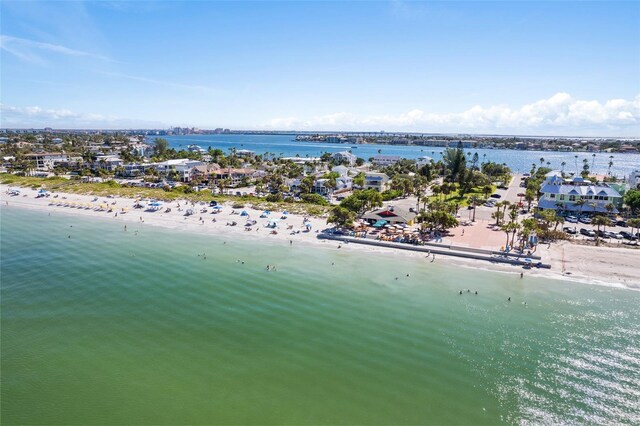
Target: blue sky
(555, 68)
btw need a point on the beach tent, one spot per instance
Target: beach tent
(217, 208)
(244, 213)
(308, 225)
(285, 212)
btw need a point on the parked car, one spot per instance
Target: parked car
(621, 223)
(571, 231)
(587, 232)
(586, 220)
(614, 235)
(496, 196)
(628, 236)
(571, 219)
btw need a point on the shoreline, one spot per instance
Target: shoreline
(583, 264)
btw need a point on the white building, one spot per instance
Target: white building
(47, 160)
(377, 181)
(184, 167)
(423, 161)
(108, 162)
(386, 160)
(345, 157)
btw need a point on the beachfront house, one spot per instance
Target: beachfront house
(562, 194)
(45, 161)
(343, 183)
(344, 157)
(392, 215)
(107, 162)
(377, 181)
(235, 177)
(386, 160)
(205, 171)
(183, 167)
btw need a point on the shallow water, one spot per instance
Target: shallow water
(111, 327)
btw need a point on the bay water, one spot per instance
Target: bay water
(154, 326)
(518, 161)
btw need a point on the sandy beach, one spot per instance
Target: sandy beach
(591, 265)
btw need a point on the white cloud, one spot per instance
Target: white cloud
(27, 49)
(557, 115)
(37, 117)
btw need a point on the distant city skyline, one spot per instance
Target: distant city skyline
(508, 68)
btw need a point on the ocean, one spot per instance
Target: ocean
(103, 326)
(519, 161)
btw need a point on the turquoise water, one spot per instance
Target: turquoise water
(519, 161)
(114, 327)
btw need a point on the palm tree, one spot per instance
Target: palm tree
(576, 158)
(634, 223)
(508, 228)
(610, 164)
(474, 201)
(593, 161)
(541, 161)
(609, 207)
(600, 221)
(580, 203)
(563, 164)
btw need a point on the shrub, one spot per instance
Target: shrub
(274, 198)
(314, 199)
(237, 205)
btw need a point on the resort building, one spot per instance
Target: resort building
(377, 181)
(386, 160)
(392, 215)
(345, 157)
(562, 195)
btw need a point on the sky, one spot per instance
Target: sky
(504, 67)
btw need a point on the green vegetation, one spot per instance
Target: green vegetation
(58, 184)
